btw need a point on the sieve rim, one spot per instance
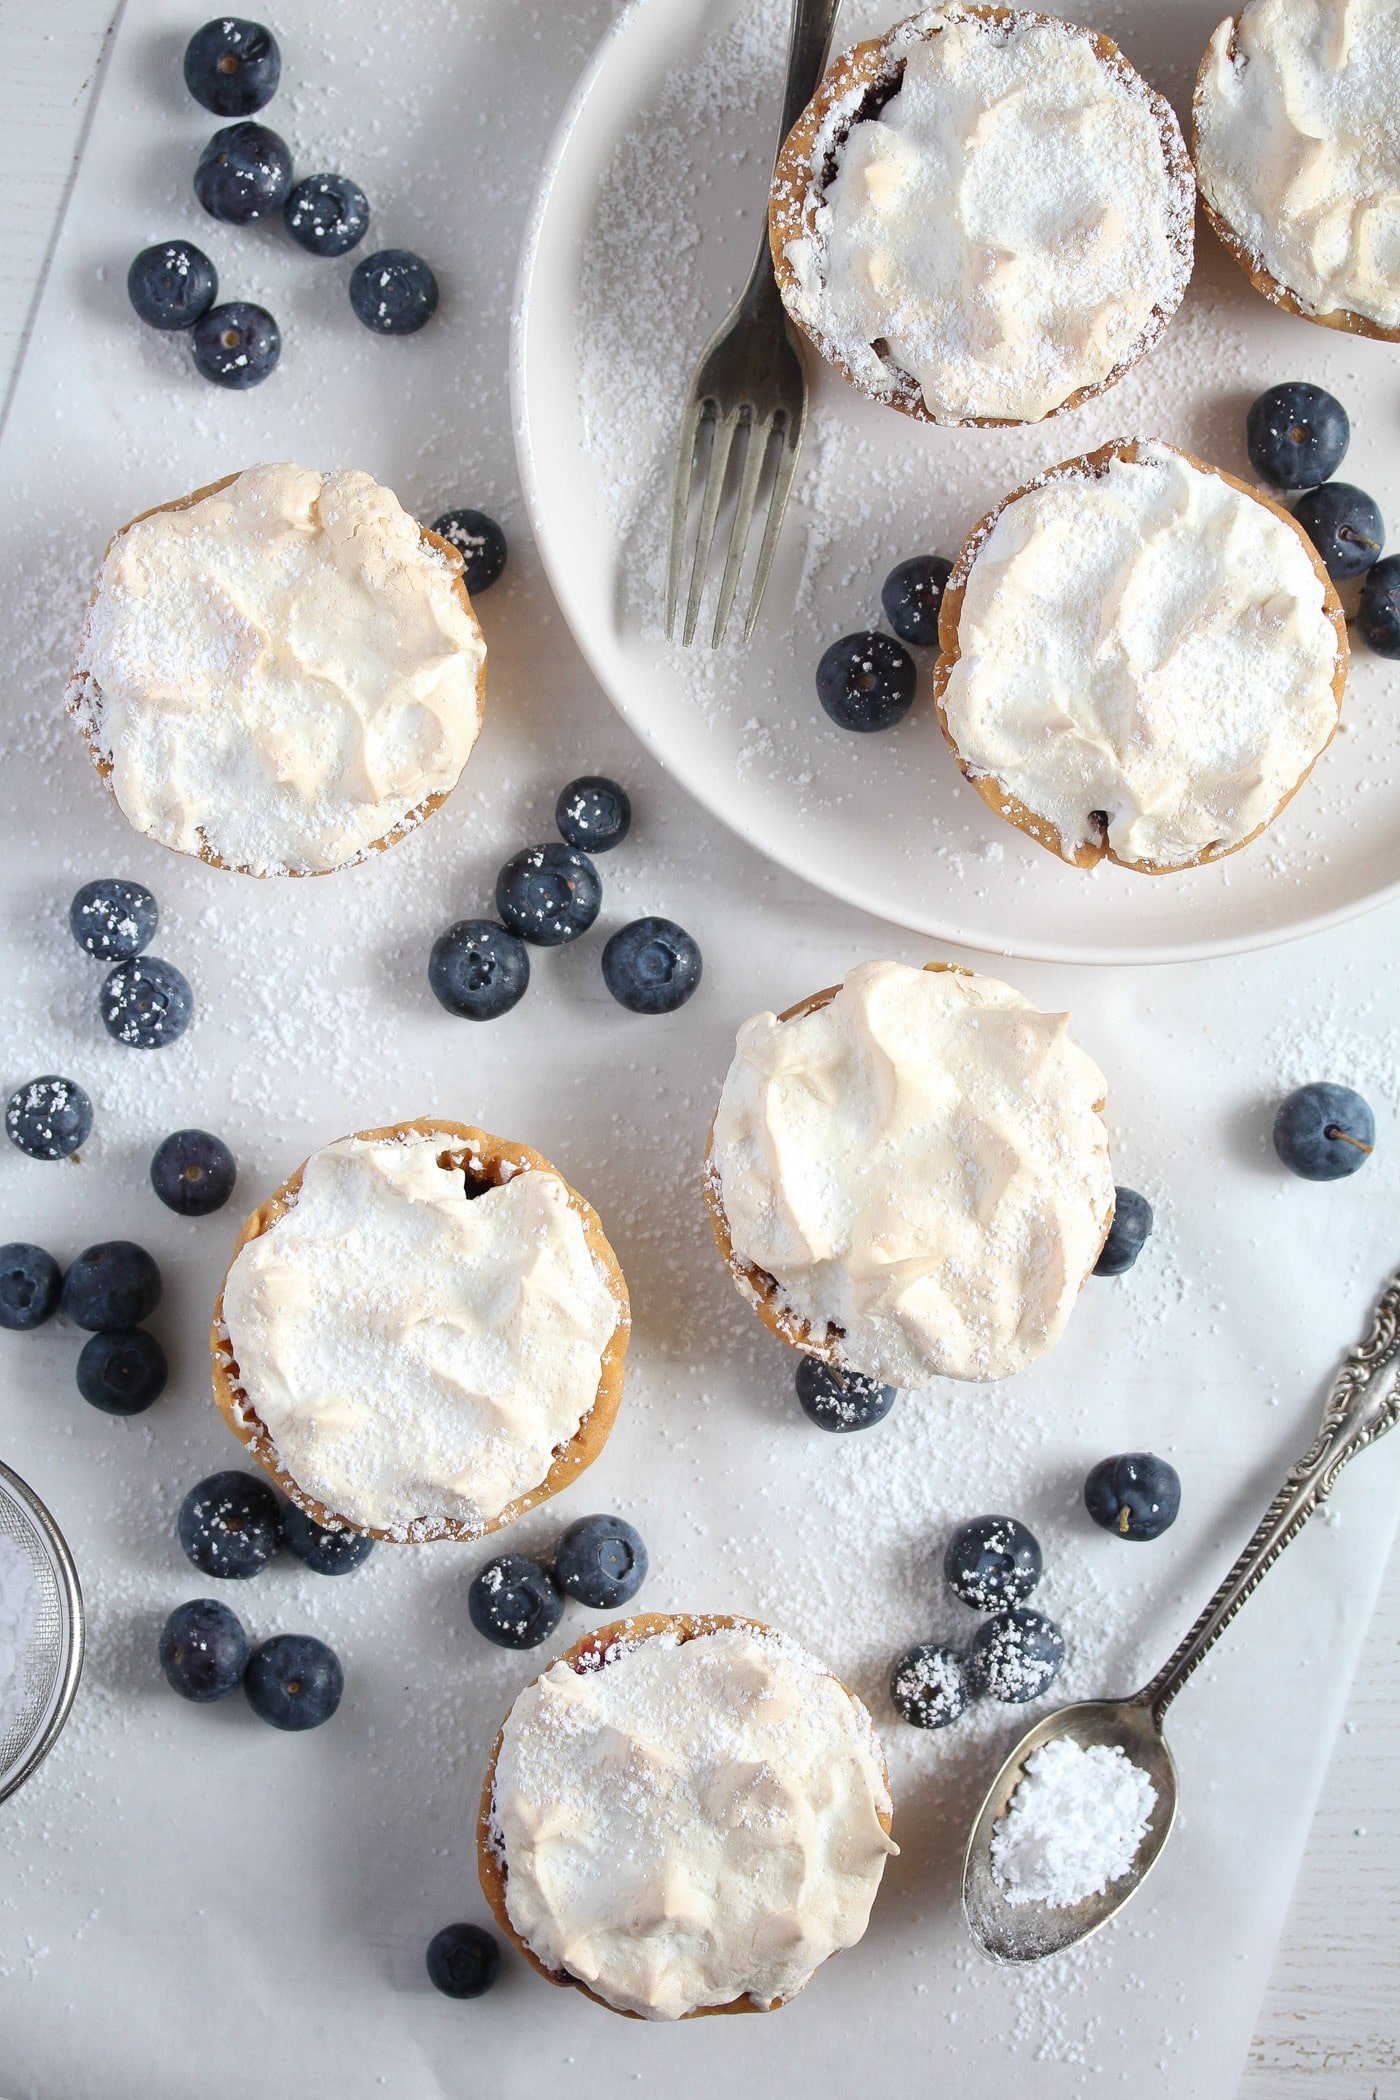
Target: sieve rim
(71, 1610)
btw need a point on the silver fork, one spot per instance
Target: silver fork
(749, 382)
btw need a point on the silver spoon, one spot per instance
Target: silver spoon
(1362, 1403)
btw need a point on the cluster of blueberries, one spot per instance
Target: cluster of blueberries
(109, 1290)
(517, 1601)
(549, 895)
(232, 68)
(867, 681)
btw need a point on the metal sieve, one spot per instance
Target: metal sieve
(52, 1663)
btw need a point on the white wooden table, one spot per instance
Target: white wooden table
(1331, 2020)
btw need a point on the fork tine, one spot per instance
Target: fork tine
(720, 444)
(680, 504)
(755, 453)
(777, 504)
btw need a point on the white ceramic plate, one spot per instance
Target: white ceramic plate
(646, 222)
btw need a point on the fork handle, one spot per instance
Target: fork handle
(812, 24)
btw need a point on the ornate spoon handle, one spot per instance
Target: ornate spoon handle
(1364, 1401)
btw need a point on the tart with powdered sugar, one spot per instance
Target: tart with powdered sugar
(908, 1174)
(1296, 124)
(984, 216)
(421, 1334)
(1141, 659)
(684, 1815)
(280, 673)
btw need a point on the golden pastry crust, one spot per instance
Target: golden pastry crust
(591, 1654)
(496, 1161)
(764, 1292)
(999, 799)
(85, 699)
(1339, 317)
(795, 197)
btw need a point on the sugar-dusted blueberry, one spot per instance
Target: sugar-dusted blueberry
(326, 214)
(394, 292)
(294, 1682)
(237, 345)
(866, 681)
(113, 919)
(928, 1686)
(838, 1399)
(193, 1172)
(111, 1285)
(1345, 526)
(31, 1283)
(548, 894)
(48, 1117)
(912, 595)
(1297, 434)
(324, 1549)
(600, 1562)
(243, 174)
(991, 1562)
(593, 813)
(172, 284)
(1324, 1132)
(1127, 1235)
(515, 1602)
(652, 966)
(203, 1650)
(477, 970)
(482, 545)
(122, 1372)
(230, 1525)
(146, 1003)
(1015, 1656)
(463, 1961)
(1135, 1495)
(232, 66)
(1378, 613)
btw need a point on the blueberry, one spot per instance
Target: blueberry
(146, 1003)
(193, 1172)
(243, 174)
(1344, 525)
(651, 966)
(294, 1682)
(593, 813)
(911, 596)
(1324, 1132)
(463, 1961)
(48, 1117)
(1135, 1495)
(325, 1552)
(113, 919)
(203, 1650)
(237, 345)
(928, 1686)
(172, 284)
(839, 1399)
(230, 1525)
(1015, 1656)
(477, 970)
(601, 1562)
(513, 1602)
(548, 894)
(394, 293)
(112, 1285)
(123, 1373)
(1378, 614)
(866, 681)
(232, 67)
(1297, 435)
(30, 1285)
(482, 545)
(327, 214)
(991, 1562)
(1127, 1235)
